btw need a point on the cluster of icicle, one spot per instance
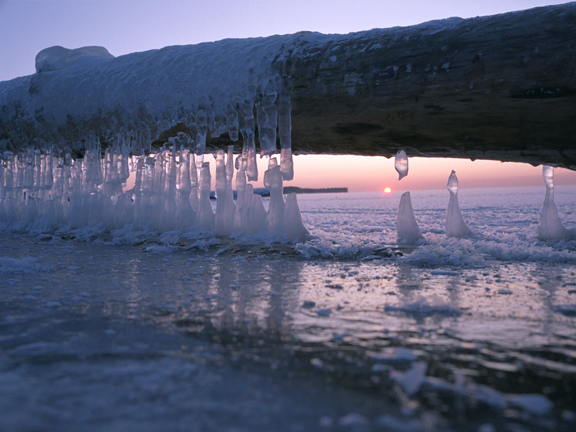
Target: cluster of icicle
(42, 191)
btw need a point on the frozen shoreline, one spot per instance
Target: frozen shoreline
(120, 336)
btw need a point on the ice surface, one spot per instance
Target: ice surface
(455, 225)
(401, 164)
(406, 225)
(550, 226)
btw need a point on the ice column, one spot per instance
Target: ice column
(455, 225)
(225, 201)
(205, 212)
(401, 164)
(550, 226)
(407, 227)
(285, 135)
(273, 181)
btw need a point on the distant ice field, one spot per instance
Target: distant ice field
(504, 223)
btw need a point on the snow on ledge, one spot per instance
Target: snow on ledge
(57, 57)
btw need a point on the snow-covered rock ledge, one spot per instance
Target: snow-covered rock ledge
(500, 87)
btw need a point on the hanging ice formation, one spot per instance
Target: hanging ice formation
(201, 95)
(550, 226)
(401, 164)
(455, 225)
(406, 225)
(42, 192)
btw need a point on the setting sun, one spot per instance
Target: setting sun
(387, 190)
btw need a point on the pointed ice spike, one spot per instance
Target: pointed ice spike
(455, 225)
(295, 229)
(550, 226)
(401, 164)
(407, 227)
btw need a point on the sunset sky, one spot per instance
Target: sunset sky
(28, 26)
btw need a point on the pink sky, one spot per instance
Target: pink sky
(364, 173)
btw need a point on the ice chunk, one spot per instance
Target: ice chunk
(550, 226)
(412, 379)
(57, 57)
(533, 403)
(455, 225)
(401, 164)
(406, 225)
(295, 229)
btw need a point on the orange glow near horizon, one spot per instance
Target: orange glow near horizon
(387, 190)
(366, 174)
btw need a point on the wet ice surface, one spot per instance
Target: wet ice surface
(347, 332)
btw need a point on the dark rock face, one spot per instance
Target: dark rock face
(500, 87)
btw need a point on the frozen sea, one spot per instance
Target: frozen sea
(348, 331)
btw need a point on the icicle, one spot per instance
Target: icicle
(455, 225)
(232, 117)
(202, 125)
(407, 227)
(285, 135)
(249, 148)
(401, 164)
(267, 120)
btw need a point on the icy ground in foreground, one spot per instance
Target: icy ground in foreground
(343, 333)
